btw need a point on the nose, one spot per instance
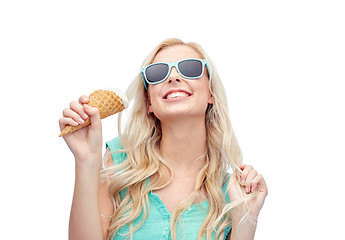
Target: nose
(174, 76)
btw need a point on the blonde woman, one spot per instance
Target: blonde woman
(166, 175)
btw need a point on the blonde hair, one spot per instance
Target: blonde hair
(140, 139)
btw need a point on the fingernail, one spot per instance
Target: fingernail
(81, 121)
(74, 123)
(242, 181)
(85, 116)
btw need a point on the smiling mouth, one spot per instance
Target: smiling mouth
(176, 95)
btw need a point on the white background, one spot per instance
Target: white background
(282, 63)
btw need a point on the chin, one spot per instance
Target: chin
(180, 115)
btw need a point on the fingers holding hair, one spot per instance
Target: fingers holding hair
(245, 171)
(256, 182)
(250, 178)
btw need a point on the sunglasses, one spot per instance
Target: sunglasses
(188, 68)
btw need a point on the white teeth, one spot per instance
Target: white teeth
(176, 94)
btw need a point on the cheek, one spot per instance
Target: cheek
(203, 86)
(151, 92)
(206, 93)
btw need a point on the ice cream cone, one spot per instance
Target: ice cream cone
(108, 103)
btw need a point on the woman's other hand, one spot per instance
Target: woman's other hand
(251, 181)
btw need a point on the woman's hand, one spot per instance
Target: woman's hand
(251, 181)
(85, 143)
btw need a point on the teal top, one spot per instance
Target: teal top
(157, 224)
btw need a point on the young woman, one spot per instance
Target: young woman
(166, 175)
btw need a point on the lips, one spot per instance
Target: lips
(176, 94)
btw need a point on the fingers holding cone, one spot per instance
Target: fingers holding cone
(106, 101)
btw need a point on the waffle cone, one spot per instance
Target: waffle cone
(108, 103)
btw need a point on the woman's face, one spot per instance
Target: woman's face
(178, 98)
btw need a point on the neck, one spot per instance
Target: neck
(183, 146)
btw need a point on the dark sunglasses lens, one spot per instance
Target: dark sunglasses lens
(190, 68)
(156, 73)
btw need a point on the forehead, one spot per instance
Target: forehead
(175, 53)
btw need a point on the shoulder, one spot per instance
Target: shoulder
(113, 144)
(115, 148)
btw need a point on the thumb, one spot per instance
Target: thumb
(94, 115)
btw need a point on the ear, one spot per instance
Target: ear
(211, 99)
(149, 106)
(149, 109)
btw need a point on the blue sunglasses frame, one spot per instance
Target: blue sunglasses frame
(171, 65)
